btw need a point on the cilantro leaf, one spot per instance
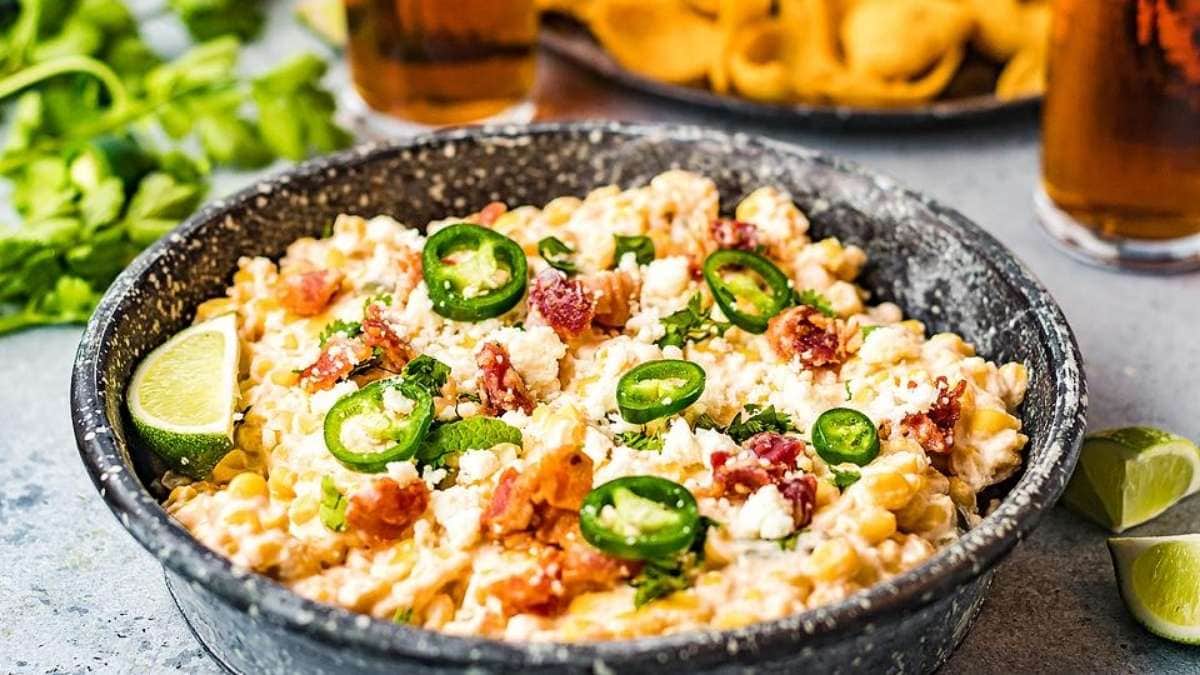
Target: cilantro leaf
(473, 433)
(655, 581)
(295, 114)
(757, 422)
(333, 505)
(207, 19)
(844, 478)
(557, 255)
(867, 330)
(788, 543)
(690, 324)
(641, 247)
(427, 372)
(349, 329)
(403, 615)
(640, 440)
(817, 301)
(706, 421)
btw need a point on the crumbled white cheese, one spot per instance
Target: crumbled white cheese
(535, 353)
(767, 514)
(458, 511)
(475, 466)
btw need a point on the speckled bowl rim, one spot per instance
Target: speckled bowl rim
(977, 551)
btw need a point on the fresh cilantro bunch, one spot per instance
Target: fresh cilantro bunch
(98, 128)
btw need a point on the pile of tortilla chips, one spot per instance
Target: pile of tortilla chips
(852, 52)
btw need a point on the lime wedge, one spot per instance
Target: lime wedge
(1128, 476)
(182, 396)
(1159, 579)
(326, 18)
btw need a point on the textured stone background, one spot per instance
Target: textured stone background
(77, 594)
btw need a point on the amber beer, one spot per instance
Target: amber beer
(1121, 147)
(442, 62)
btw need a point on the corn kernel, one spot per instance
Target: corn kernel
(248, 485)
(876, 525)
(889, 490)
(281, 482)
(215, 307)
(833, 559)
(986, 422)
(234, 463)
(733, 619)
(334, 258)
(303, 509)
(962, 494)
(242, 516)
(269, 551)
(914, 326)
(285, 378)
(826, 493)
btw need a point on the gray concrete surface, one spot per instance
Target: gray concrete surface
(77, 594)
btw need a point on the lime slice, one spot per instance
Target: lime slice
(182, 396)
(1128, 476)
(326, 18)
(1159, 579)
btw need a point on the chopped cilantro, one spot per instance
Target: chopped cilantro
(557, 255)
(380, 298)
(427, 372)
(758, 421)
(816, 301)
(849, 394)
(867, 330)
(690, 324)
(705, 421)
(844, 478)
(640, 440)
(788, 543)
(403, 615)
(333, 506)
(338, 327)
(655, 582)
(641, 247)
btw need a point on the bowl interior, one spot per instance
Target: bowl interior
(935, 265)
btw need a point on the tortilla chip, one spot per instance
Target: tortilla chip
(811, 50)
(756, 61)
(664, 41)
(860, 89)
(897, 40)
(732, 15)
(1025, 74)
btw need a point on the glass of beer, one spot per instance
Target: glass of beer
(444, 62)
(1121, 133)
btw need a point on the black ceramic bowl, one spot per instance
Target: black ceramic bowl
(933, 262)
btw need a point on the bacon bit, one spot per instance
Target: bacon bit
(308, 293)
(562, 302)
(565, 570)
(339, 358)
(385, 509)
(534, 499)
(802, 493)
(934, 428)
(489, 214)
(562, 478)
(511, 508)
(734, 234)
(819, 341)
(613, 291)
(501, 386)
(778, 450)
(775, 458)
(394, 350)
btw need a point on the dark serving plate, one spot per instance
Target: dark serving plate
(937, 265)
(570, 39)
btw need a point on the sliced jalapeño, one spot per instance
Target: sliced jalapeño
(383, 422)
(640, 518)
(658, 388)
(749, 288)
(473, 273)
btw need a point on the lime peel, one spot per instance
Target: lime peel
(182, 396)
(1159, 579)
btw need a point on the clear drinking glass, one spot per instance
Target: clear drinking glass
(444, 62)
(1121, 133)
